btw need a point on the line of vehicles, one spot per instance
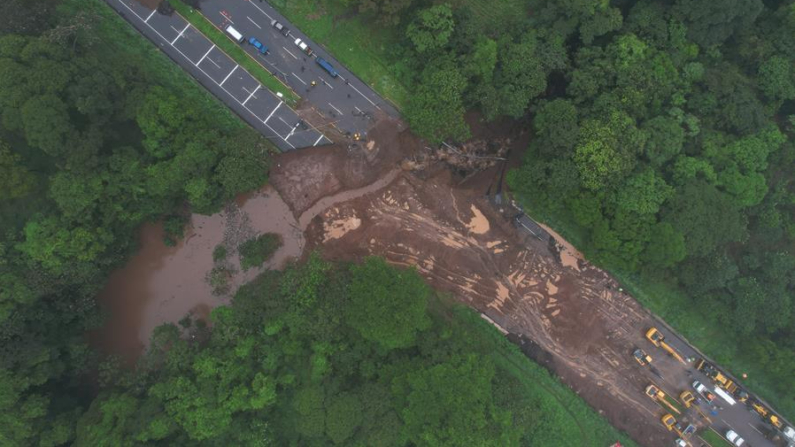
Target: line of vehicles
(725, 388)
(232, 32)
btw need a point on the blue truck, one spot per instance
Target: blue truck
(326, 66)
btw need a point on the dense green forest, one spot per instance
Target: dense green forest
(99, 133)
(662, 144)
(360, 355)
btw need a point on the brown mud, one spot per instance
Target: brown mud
(569, 313)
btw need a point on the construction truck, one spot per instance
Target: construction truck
(766, 414)
(657, 339)
(717, 376)
(641, 357)
(687, 398)
(658, 395)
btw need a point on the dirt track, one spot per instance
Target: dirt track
(580, 325)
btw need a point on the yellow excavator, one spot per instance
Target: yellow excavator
(658, 395)
(657, 339)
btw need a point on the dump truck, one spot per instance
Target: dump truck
(669, 421)
(657, 339)
(641, 357)
(717, 376)
(687, 398)
(658, 395)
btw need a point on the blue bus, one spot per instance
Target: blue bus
(326, 66)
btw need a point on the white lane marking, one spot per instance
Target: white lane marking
(340, 76)
(752, 426)
(357, 91)
(205, 54)
(302, 81)
(210, 77)
(318, 140)
(338, 110)
(255, 23)
(150, 16)
(180, 33)
(272, 112)
(252, 94)
(291, 54)
(227, 76)
(291, 132)
(260, 10)
(285, 122)
(358, 109)
(326, 82)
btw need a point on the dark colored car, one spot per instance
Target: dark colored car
(281, 28)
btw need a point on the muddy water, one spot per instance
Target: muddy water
(162, 284)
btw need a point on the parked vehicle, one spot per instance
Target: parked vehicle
(235, 34)
(303, 46)
(687, 398)
(258, 45)
(729, 400)
(703, 391)
(734, 438)
(281, 28)
(328, 67)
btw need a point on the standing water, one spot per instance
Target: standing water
(162, 284)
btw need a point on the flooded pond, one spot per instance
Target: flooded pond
(162, 284)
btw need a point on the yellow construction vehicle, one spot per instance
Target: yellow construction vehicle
(657, 339)
(641, 357)
(766, 414)
(687, 398)
(669, 421)
(659, 396)
(719, 378)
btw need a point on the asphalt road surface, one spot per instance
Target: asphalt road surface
(222, 76)
(345, 100)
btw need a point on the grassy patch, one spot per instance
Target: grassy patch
(567, 419)
(256, 251)
(362, 46)
(233, 50)
(714, 439)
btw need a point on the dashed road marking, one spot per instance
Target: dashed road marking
(180, 33)
(291, 54)
(251, 94)
(205, 54)
(338, 110)
(227, 76)
(252, 21)
(272, 112)
(226, 17)
(296, 76)
(358, 109)
(326, 82)
(291, 132)
(222, 87)
(285, 122)
(752, 426)
(260, 10)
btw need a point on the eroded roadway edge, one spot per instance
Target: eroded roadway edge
(219, 74)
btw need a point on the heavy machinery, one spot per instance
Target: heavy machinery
(659, 396)
(687, 398)
(657, 339)
(717, 376)
(766, 414)
(641, 357)
(669, 421)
